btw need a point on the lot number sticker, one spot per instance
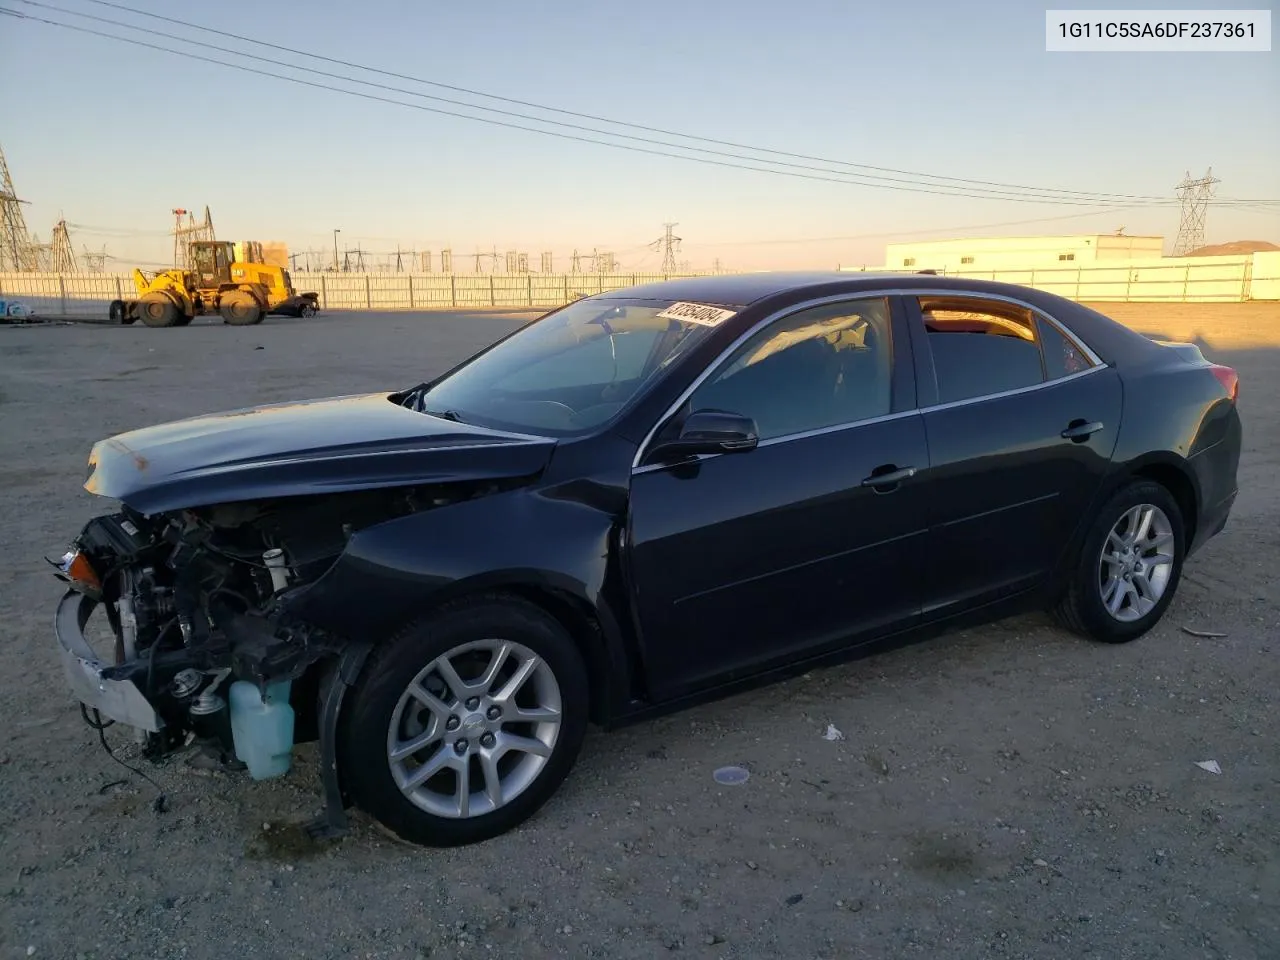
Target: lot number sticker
(697, 313)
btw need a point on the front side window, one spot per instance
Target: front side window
(821, 367)
(568, 372)
(982, 347)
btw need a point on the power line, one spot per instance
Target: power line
(854, 179)
(586, 116)
(837, 178)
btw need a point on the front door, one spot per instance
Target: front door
(1020, 438)
(742, 561)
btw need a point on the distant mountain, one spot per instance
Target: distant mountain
(1235, 247)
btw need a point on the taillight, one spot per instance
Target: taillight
(1229, 379)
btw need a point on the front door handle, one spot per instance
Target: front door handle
(888, 476)
(1078, 431)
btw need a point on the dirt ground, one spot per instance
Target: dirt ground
(1005, 792)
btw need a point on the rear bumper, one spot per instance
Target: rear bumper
(1212, 522)
(118, 700)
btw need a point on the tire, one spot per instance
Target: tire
(1084, 608)
(240, 308)
(157, 310)
(308, 309)
(382, 712)
(117, 313)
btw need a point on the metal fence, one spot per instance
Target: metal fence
(1181, 280)
(1186, 280)
(90, 295)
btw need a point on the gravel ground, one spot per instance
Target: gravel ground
(1005, 792)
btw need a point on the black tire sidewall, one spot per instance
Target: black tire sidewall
(1090, 607)
(362, 762)
(168, 312)
(236, 301)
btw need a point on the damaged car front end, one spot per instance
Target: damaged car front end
(204, 574)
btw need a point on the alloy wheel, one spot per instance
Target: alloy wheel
(474, 728)
(1136, 563)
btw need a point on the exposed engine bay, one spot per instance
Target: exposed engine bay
(198, 601)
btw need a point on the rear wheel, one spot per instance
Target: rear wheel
(157, 310)
(240, 308)
(1129, 566)
(465, 725)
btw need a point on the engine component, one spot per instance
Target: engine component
(185, 683)
(278, 568)
(210, 719)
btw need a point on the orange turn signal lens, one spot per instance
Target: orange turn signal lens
(78, 570)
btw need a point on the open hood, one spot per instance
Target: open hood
(290, 449)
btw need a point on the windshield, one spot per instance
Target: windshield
(568, 372)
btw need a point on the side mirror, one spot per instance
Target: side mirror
(709, 431)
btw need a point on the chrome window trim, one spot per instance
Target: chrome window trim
(877, 294)
(1072, 338)
(1004, 298)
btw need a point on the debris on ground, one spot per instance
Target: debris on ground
(833, 733)
(1210, 765)
(731, 776)
(1207, 634)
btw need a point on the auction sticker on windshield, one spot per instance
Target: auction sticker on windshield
(697, 313)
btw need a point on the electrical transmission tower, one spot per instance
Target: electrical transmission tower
(668, 244)
(95, 262)
(1194, 195)
(16, 251)
(548, 262)
(446, 261)
(62, 256)
(186, 233)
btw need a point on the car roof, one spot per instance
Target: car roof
(1111, 340)
(742, 289)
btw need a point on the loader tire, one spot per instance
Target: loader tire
(240, 308)
(157, 310)
(118, 312)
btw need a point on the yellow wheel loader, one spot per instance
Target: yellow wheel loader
(241, 293)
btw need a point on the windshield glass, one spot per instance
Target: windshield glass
(568, 372)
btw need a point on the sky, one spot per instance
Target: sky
(112, 136)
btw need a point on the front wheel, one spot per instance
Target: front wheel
(240, 308)
(465, 725)
(1129, 566)
(157, 310)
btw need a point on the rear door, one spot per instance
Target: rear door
(746, 560)
(1021, 422)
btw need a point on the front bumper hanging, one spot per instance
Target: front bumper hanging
(118, 700)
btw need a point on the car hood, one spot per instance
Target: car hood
(289, 449)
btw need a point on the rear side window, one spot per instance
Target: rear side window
(1062, 357)
(982, 347)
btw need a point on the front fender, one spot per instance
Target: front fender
(525, 539)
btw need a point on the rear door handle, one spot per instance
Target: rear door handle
(890, 477)
(1079, 431)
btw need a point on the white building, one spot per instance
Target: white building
(1003, 253)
